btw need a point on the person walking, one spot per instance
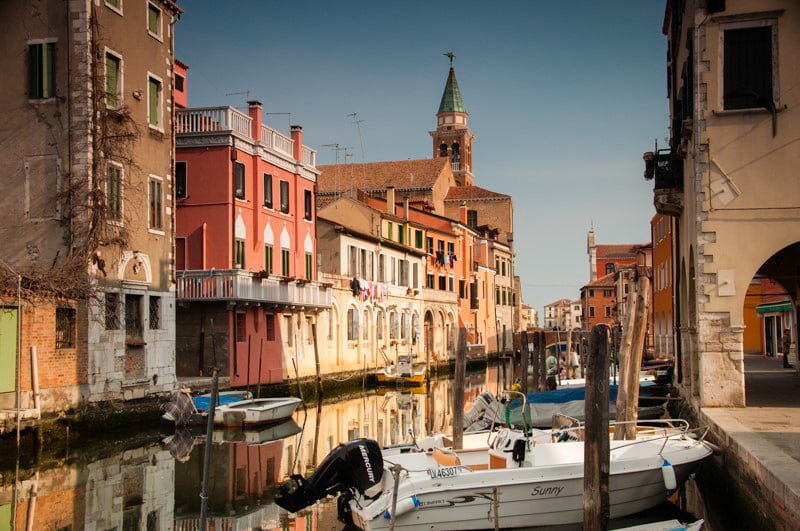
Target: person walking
(786, 345)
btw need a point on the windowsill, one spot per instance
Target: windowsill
(155, 128)
(115, 108)
(156, 36)
(38, 101)
(117, 10)
(744, 112)
(308, 220)
(241, 200)
(156, 232)
(268, 208)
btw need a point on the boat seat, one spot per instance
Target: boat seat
(445, 457)
(497, 460)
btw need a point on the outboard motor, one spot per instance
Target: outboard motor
(355, 465)
(484, 407)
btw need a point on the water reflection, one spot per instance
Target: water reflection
(156, 486)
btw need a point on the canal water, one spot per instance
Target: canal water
(151, 481)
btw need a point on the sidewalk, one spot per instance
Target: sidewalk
(764, 438)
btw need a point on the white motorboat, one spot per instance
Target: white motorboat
(666, 525)
(255, 412)
(535, 484)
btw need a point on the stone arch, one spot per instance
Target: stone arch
(239, 228)
(429, 333)
(443, 150)
(308, 244)
(286, 241)
(139, 270)
(269, 236)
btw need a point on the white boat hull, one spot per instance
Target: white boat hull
(256, 412)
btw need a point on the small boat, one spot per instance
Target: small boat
(255, 412)
(666, 525)
(185, 410)
(402, 372)
(510, 482)
(264, 435)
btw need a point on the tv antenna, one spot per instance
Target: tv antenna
(335, 147)
(245, 93)
(357, 123)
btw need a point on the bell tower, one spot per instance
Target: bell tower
(452, 137)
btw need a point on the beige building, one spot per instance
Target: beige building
(729, 177)
(563, 314)
(88, 144)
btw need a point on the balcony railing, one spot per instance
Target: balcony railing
(309, 157)
(273, 139)
(212, 120)
(666, 167)
(455, 165)
(238, 285)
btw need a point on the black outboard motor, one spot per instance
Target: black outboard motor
(355, 465)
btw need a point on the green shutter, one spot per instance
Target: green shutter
(49, 70)
(34, 70)
(8, 349)
(153, 106)
(112, 81)
(153, 16)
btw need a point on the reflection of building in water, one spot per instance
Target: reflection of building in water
(240, 492)
(132, 490)
(387, 418)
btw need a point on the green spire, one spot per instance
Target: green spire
(451, 99)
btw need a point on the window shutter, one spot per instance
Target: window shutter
(747, 74)
(34, 69)
(112, 80)
(153, 104)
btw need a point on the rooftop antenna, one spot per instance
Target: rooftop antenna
(335, 147)
(245, 93)
(357, 122)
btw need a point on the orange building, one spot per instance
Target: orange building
(661, 228)
(598, 300)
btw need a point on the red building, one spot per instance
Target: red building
(245, 244)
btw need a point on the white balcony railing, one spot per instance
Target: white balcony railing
(456, 165)
(211, 120)
(273, 139)
(238, 285)
(309, 157)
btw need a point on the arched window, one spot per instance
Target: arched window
(403, 324)
(414, 328)
(393, 325)
(352, 324)
(443, 150)
(456, 152)
(609, 268)
(365, 328)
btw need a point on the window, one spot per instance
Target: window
(114, 192)
(381, 268)
(307, 204)
(112, 311)
(309, 266)
(116, 5)
(238, 180)
(285, 197)
(113, 80)
(270, 327)
(285, 262)
(440, 246)
(365, 328)
(352, 324)
(268, 259)
(503, 268)
(154, 20)
(591, 293)
(179, 81)
(462, 289)
(309, 331)
(430, 282)
(451, 248)
(503, 297)
(379, 326)
(238, 254)
(389, 230)
(394, 269)
(429, 245)
(42, 70)
(609, 268)
(156, 204)
(180, 179)
(607, 293)
(239, 326)
(65, 328)
(497, 298)
(418, 239)
(394, 325)
(608, 311)
(154, 95)
(288, 333)
(497, 264)
(450, 284)
(401, 234)
(402, 273)
(415, 276)
(442, 283)
(268, 190)
(403, 325)
(472, 218)
(155, 313)
(591, 311)
(747, 69)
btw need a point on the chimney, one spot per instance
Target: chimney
(256, 110)
(462, 212)
(390, 200)
(297, 138)
(405, 207)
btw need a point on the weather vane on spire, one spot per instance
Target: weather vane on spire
(451, 56)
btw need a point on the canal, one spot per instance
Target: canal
(150, 480)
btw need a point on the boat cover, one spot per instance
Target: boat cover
(202, 402)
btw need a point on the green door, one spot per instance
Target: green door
(5, 517)
(8, 349)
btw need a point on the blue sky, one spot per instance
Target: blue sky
(563, 97)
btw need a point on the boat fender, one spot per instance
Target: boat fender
(669, 476)
(403, 506)
(518, 452)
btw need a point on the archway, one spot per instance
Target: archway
(428, 325)
(773, 297)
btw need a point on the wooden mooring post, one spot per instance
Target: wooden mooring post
(212, 405)
(540, 351)
(524, 361)
(459, 378)
(596, 444)
(534, 354)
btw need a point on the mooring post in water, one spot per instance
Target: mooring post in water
(260, 356)
(316, 360)
(458, 390)
(542, 364)
(596, 445)
(524, 361)
(212, 406)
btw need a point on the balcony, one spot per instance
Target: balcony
(244, 286)
(440, 296)
(665, 167)
(227, 120)
(455, 165)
